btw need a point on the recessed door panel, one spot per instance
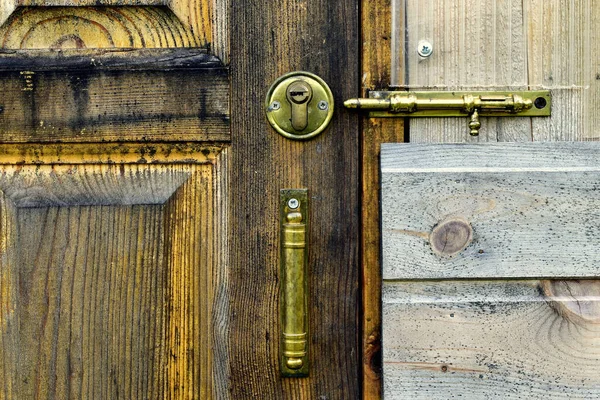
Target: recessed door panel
(108, 279)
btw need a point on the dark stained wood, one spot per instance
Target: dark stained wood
(106, 59)
(376, 71)
(115, 105)
(268, 40)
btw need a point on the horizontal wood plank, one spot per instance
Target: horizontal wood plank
(490, 211)
(491, 340)
(106, 59)
(98, 106)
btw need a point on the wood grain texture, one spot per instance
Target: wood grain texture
(477, 45)
(95, 28)
(9, 300)
(533, 221)
(51, 24)
(523, 44)
(114, 299)
(267, 41)
(562, 37)
(114, 153)
(517, 344)
(106, 59)
(376, 27)
(94, 106)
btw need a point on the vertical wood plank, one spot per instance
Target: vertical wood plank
(477, 45)
(220, 278)
(220, 30)
(376, 31)
(72, 289)
(563, 37)
(9, 293)
(268, 40)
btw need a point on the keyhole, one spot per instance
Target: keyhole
(299, 94)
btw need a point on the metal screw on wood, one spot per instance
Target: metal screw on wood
(293, 203)
(425, 48)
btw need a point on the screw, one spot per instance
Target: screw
(275, 106)
(323, 105)
(425, 48)
(293, 204)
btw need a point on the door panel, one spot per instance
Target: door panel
(110, 275)
(45, 24)
(194, 273)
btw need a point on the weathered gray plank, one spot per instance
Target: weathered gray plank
(478, 44)
(491, 340)
(562, 37)
(490, 211)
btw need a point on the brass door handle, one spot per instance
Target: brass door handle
(455, 104)
(294, 287)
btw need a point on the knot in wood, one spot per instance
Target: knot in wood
(451, 236)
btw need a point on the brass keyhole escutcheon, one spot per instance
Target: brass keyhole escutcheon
(299, 94)
(299, 105)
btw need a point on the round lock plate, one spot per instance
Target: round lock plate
(299, 105)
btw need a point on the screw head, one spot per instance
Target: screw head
(275, 106)
(323, 105)
(425, 48)
(293, 204)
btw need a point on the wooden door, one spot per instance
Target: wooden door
(139, 199)
(514, 330)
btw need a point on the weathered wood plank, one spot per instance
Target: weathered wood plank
(525, 44)
(476, 157)
(477, 45)
(491, 340)
(106, 59)
(113, 301)
(561, 37)
(94, 106)
(463, 211)
(109, 153)
(98, 28)
(267, 41)
(376, 28)
(9, 299)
